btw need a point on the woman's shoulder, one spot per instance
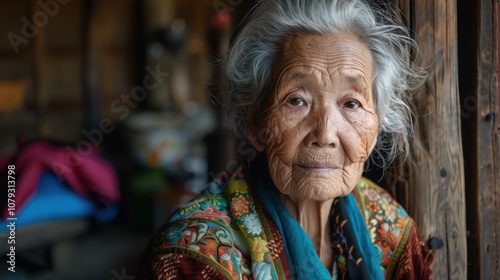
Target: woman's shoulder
(204, 206)
(398, 244)
(388, 223)
(193, 247)
(374, 199)
(200, 239)
(379, 208)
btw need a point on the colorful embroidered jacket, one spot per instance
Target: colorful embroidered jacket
(226, 233)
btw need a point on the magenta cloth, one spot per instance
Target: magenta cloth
(84, 170)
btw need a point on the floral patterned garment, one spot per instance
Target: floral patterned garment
(387, 222)
(221, 234)
(225, 233)
(398, 246)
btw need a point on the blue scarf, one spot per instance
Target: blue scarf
(302, 257)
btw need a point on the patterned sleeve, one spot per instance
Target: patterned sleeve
(189, 249)
(416, 260)
(394, 233)
(199, 242)
(178, 266)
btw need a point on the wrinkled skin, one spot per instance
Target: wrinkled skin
(320, 123)
(319, 127)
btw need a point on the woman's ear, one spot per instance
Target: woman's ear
(253, 136)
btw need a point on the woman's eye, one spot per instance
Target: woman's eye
(352, 104)
(297, 101)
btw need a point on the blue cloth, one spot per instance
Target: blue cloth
(302, 257)
(362, 236)
(54, 200)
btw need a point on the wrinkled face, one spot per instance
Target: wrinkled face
(320, 122)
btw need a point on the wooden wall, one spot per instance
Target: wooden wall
(47, 58)
(453, 186)
(437, 180)
(478, 93)
(15, 66)
(56, 65)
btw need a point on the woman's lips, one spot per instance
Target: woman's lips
(316, 166)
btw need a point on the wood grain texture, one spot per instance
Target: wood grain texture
(434, 191)
(478, 54)
(488, 147)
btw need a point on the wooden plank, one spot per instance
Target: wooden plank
(436, 190)
(488, 157)
(478, 85)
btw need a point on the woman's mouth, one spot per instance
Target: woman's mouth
(317, 166)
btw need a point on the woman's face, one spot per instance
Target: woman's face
(320, 123)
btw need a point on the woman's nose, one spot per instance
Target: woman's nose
(324, 131)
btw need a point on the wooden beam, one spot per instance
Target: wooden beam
(436, 189)
(478, 86)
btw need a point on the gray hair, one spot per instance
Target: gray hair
(250, 60)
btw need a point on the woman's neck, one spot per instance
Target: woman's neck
(313, 217)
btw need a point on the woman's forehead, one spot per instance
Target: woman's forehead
(324, 57)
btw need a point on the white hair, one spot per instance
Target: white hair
(252, 53)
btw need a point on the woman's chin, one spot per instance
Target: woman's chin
(319, 190)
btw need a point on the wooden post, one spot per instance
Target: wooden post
(435, 190)
(478, 85)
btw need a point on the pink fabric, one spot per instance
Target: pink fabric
(88, 174)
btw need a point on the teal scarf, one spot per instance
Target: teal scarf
(303, 259)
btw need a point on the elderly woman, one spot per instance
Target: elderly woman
(317, 87)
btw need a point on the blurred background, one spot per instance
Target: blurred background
(110, 117)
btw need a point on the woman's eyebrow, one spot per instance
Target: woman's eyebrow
(294, 76)
(358, 80)
(354, 79)
(285, 78)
